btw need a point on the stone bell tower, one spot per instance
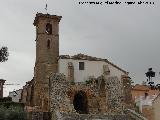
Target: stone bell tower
(47, 52)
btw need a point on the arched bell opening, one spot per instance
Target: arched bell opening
(49, 28)
(80, 102)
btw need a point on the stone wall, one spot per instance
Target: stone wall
(114, 97)
(27, 93)
(126, 85)
(100, 99)
(58, 94)
(39, 116)
(93, 117)
(103, 96)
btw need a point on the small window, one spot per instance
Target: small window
(48, 44)
(81, 65)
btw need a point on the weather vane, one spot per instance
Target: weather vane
(46, 8)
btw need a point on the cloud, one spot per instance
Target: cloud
(126, 35)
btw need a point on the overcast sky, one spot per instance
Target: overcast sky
(127, 35)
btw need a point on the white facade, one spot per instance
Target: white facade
(15, 95)
(91, 68)
(144, 101)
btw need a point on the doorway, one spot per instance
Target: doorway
(80, 102)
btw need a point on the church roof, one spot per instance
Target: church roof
(81, 56)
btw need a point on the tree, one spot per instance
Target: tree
(4, 54)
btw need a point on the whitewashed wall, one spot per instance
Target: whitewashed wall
(15, 97)
(142, 101)
(92, 68)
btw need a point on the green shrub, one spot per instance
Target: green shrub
(12, 111)
(5, 99)
(11, 115)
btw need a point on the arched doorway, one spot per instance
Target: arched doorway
(80, 102)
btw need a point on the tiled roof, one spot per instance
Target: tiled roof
(141, 87)
(90, 58)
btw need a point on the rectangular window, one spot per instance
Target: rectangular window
(81, 65)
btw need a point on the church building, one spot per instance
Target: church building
(73, 84)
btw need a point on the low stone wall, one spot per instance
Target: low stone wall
(130, 115)
(39, 116)
(92, 117)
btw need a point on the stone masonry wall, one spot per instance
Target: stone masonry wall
(62, 93)
(108, 106)
(58, 94)
(114, 93)
(93, 117)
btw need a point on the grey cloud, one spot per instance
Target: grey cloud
(126, 35)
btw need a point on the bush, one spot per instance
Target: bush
(12, 111)
(11, 115)
(5, 99)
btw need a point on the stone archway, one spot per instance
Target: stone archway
(80, 102)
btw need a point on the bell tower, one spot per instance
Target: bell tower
(47, 52)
